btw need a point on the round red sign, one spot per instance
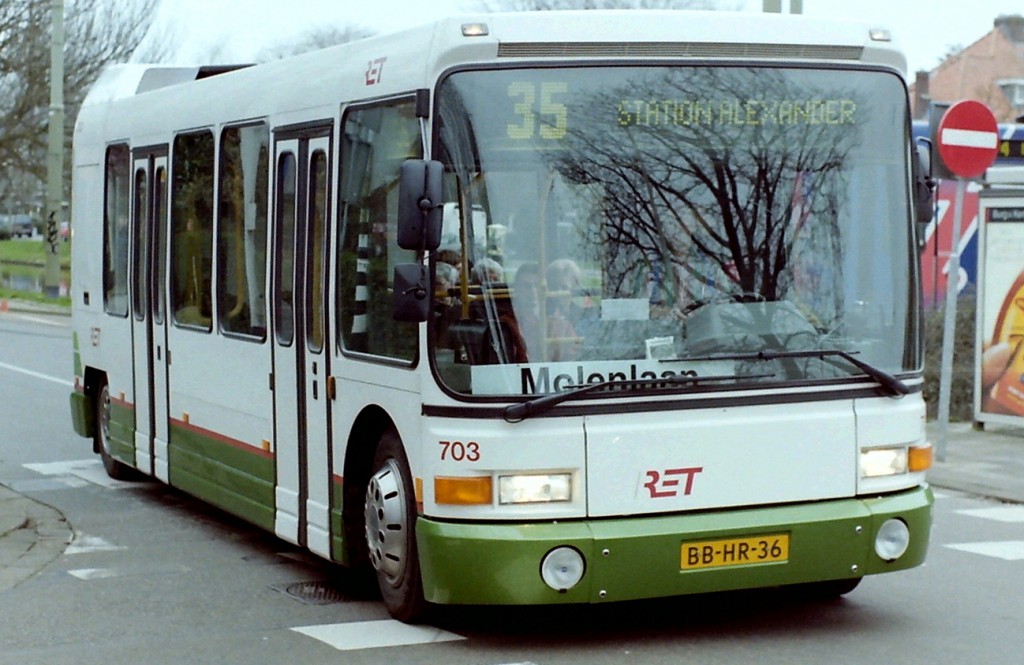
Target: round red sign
(968, 138)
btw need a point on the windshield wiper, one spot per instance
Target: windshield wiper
(893, 385)
(518, 412)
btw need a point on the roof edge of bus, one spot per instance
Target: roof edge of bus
(801, 27)
(629, 26)
(126, 80)
(578, 26)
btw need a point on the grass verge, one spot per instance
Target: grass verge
(26, 256)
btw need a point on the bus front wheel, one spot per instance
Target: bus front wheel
(390, 512)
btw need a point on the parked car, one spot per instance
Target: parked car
(17, 225)
(22, 227)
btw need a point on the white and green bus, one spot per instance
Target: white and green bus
(521, 308)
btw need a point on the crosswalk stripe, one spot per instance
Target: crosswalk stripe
(375, 634)
(89, 470)
(85, 544)
(1008, 550)
(93, 573)
(1011, 514)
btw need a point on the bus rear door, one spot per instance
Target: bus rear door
(301, 422)
(148, 300)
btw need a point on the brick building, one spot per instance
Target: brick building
(991, 70)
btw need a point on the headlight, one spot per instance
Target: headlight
(535, 488)
(877, 462)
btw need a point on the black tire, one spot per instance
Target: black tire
(390, 513)
(115, 469)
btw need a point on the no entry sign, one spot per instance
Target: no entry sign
(968, 138)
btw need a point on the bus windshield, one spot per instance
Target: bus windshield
(630, 223)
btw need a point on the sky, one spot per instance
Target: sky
(238, 30)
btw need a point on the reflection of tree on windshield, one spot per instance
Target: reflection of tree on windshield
(710, 176)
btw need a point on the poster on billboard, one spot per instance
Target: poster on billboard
(999, 346)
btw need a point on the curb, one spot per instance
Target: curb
(12, 516)
(32, 535)
(12, 513)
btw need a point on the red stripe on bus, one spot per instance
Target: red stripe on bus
(234, 443)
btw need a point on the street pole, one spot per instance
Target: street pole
(55, 153)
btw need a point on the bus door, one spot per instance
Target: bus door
(149, 331)
(300, 371)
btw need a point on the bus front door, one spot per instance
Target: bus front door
(301, 405)
(148, 300)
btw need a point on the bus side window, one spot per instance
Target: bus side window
(284, 261)
(115, 231)
(192, 230)
(376, 140)
(242, 230)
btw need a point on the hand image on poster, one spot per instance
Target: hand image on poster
(1002, 360)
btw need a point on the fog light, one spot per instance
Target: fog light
(562, 568)
(892, 540)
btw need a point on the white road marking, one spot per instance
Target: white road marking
(90, 470)
(375, 634)
(85, 544)
(131, 570)
(93, 573)
(39, 319)
(1010, 514)
(37, 375)
(1008, 550)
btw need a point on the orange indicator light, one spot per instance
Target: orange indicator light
(472, 491)
(920, 458)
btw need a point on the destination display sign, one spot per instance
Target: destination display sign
(681, 112)
(546, 378)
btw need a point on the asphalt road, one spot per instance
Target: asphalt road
(153, 576)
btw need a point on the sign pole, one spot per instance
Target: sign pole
(949, 322)
(968, 140)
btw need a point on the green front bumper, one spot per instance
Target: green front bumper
(499, 564)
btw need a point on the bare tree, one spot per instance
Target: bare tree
(678, 185)
(97, 32)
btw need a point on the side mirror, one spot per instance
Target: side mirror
(411, 298)
(921, 168)
(420, 205)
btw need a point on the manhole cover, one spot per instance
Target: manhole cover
(313, 593)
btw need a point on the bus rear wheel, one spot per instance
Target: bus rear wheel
(115, 469)
(390, 512)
